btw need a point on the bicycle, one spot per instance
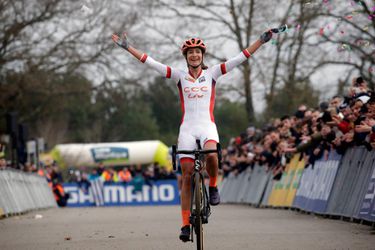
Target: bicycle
(199, 207)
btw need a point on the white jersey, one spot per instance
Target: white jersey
(197, 97)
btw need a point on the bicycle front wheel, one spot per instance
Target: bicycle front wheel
(198, 210)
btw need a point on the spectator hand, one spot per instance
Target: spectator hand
(337, 141)
(362, 128)
(348, 137)
(316, 151)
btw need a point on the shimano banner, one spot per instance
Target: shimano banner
(120, 194)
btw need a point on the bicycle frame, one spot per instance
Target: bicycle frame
(199, 205)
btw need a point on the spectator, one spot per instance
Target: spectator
(110, 175)
(125, 175)
(339, 123)
(3, 162)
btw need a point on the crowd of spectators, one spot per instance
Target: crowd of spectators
(340, 123)
(127, 174)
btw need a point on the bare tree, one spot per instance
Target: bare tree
(43, 41)
(352, 32)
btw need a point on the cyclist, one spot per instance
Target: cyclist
(197, 95)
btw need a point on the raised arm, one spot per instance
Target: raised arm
(223, 68)
(164, 70)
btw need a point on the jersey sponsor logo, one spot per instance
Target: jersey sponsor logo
(195, 92)
(201, 79)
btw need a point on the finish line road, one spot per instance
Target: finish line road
(230, 227)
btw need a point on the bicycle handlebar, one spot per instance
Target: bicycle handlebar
(193, 152)
(198, 151)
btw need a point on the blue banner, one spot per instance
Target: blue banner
(368, 206)
(316, 184)
(119, 194)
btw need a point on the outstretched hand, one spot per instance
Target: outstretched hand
(121, 41)
(266, 36)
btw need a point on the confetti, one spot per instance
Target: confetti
(321, 31)
(346, 47)
(361, 42)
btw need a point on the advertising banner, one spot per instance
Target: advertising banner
(119, 194)
(283, 191)
(110, 154)
(316, 184)
(368, 206)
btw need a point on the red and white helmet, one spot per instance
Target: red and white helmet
(193, 43)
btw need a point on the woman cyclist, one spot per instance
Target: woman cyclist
(197, 95)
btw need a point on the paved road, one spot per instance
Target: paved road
(231, 227)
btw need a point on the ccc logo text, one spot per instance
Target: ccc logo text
(195, 92)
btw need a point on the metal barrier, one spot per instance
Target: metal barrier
(351, 183)
(248, 187)
(268, 190)
(367, 211)
(228, 191)
(284, 191)
(316, 184)
(339, 185)
(21, 192)
(257, 185)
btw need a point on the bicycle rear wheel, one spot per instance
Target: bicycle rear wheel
(198, 210)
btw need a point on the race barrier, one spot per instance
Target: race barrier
(284, 191)
(316, 184)
(120, 194)
(21, 192)
(247, 187)
(367, 211)
(352, 182)
(335, 185)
